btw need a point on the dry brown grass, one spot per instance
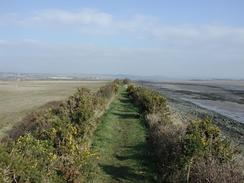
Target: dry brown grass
(19, 98)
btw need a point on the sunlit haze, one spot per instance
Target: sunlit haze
(173, 39)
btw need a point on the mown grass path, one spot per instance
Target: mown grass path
(120, 142)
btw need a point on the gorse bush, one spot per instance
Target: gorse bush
(180, 153)
(150, 102)
(208, 156)
(54, 150)
(26, 161)
(203, 138)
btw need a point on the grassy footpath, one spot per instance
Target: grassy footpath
(120, 142)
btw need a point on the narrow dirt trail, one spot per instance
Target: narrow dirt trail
(120, 142)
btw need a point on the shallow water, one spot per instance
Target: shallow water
(229, 109)
(223, 97)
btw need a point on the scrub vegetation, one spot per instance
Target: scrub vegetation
(118, 133)
(56, 148)
(193, 153)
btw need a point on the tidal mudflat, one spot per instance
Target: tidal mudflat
(221, 100)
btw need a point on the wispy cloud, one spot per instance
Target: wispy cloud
(176, 48)
(82, 17)
(92, 21)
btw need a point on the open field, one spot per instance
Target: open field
(18, 98)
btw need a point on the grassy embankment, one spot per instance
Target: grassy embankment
(120, 143)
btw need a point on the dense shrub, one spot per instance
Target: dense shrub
(108, 90)
(211, 170)
(126, 81)
(204, 147)
(150, 102)
(167, 148)
(54, 150)
(203, 138)
(197, 153)
(29, 122)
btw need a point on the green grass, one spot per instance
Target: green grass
(120, 142)
(18, 98)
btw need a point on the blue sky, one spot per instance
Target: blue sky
(173, 38)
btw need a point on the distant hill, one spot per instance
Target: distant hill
(46, 76)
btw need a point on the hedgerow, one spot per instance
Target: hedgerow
(181, 152)
(55, 150)
(150, 102)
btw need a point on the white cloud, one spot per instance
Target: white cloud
(92, 21)
(82, 17)
(95, 22)
(176, 48)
